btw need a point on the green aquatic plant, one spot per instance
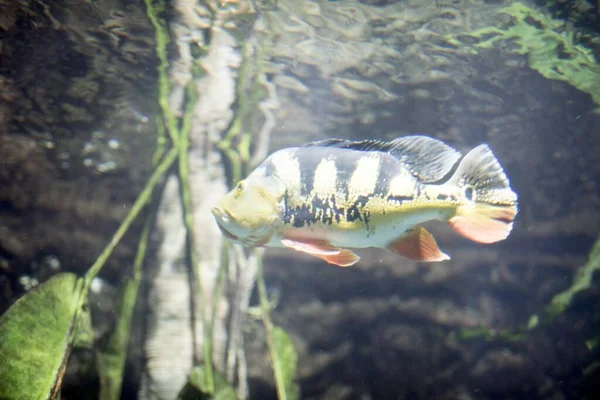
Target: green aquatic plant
(195, 388)
(235, 144)
(490, 335)
(251, 89)
(582, 280)
(281, 348)
(111, 350)
(38, 332)
(36, 340)
(549, 45)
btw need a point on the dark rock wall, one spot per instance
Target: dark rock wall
(77, 86)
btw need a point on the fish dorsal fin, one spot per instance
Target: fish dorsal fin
(426, 158)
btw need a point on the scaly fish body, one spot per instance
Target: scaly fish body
(351, 198)
(330, 195)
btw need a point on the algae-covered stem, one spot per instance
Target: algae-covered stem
(218, 78)
(266, 317)
(164, 86)
(112, 353)
(184, 178)
(135, 210)
(208, 76)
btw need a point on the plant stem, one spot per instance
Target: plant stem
(164, 86)
(266, 316)
(141, 201)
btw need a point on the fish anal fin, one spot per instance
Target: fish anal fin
(324, 250)
(418, 245)
(344, 258)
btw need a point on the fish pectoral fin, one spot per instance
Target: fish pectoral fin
(418, 245)
(323, 250)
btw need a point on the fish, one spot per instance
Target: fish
(327, 197)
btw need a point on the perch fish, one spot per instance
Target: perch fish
(328, 196)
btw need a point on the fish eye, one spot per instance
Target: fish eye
(240, 186)
(469, 193)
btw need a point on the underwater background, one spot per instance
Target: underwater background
(123, 122)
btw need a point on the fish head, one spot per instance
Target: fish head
(250, 212)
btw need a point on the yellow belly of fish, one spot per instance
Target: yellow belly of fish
(382, 229)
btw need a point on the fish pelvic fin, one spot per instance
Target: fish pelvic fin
(418, 245)
(324, 250)
(489, 205)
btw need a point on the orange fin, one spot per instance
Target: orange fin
(419, 245)
(344, 258)
(323, 250)
(313, 247)
(484, 223)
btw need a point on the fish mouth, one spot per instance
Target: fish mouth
(217, 212)
(220, 216)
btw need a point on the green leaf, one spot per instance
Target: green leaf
(196, 388)
(592, 343)
(591, 368)
(285, 360)
(111, 352)
(36, 337)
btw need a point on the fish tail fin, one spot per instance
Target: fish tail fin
(489, 205)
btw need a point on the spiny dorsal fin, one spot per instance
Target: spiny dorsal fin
(428, 159)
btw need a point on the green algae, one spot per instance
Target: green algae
(593, 343)
(591, 368)
(486, 334)
(549, 45)
(582, 280)
(154, 9)
(236, 142)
